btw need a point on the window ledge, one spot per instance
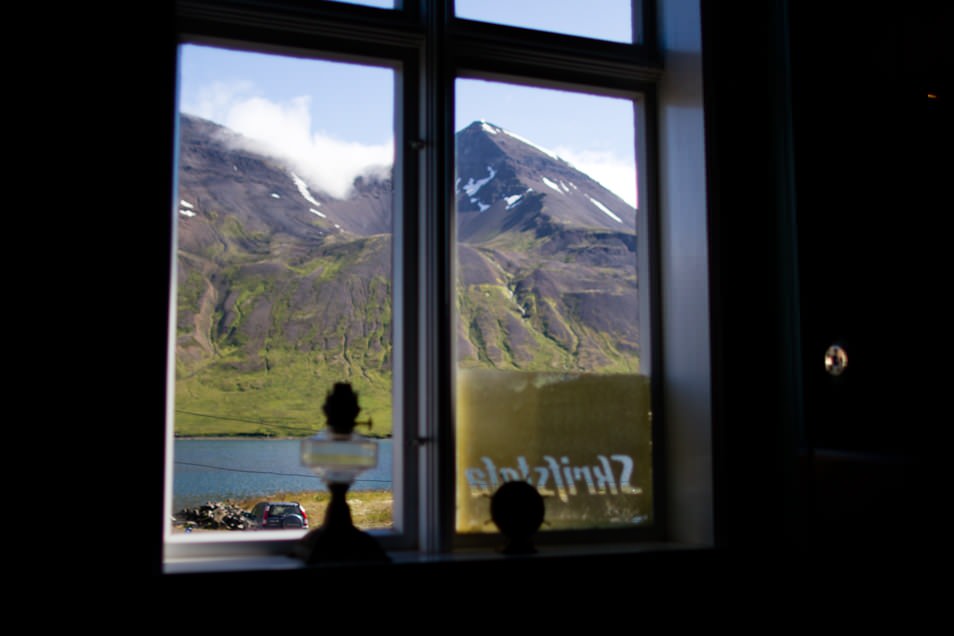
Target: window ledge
(280, 562)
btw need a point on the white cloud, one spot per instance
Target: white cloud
(331, 164)
(214, 101)
(285, 130)
(616, 175)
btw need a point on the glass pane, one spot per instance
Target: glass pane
(600, 19)
(381, 4)
(551, 389)
(284, 282)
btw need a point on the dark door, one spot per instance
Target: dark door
(870, 110)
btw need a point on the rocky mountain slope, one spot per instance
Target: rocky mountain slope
(546, 260)
(284, 289)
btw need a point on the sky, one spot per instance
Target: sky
(604, 19)
(335, 120)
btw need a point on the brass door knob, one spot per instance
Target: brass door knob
(836, 360)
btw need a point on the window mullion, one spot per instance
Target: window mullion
(436, 432)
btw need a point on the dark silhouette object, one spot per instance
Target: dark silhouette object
(341, 409)
(337, 540)
(517, 509)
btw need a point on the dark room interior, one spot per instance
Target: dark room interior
(827, 170)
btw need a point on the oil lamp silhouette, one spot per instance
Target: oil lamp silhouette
(337, 456)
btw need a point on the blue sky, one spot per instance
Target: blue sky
(335, 119)
(604, 19)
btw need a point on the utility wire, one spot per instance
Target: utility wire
(245, 470)
(266, 472)
(259, 421)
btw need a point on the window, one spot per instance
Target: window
(284, 230)
(383, 4)
(604, 19)
(495, 266)
(551, 387)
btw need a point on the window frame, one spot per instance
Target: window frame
(350, 37)
(433, 48)
(642, 94)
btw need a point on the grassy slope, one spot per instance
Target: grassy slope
(271, 379)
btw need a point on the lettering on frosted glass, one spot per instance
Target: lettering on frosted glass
(562, 478)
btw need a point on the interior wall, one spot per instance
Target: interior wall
(684, 265)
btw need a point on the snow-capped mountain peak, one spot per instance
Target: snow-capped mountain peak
(498, 169)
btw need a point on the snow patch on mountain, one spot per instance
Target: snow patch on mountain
(549, 153)
(516, 199)
(552, 185)
(303, 189)
(186, 208)
(605, 209)
(494, 130)
(560, 187)
(471, 187)
(488, 128)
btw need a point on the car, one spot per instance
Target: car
(279, 514)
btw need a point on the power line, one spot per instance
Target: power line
(246, 470)
(259, 421)
(267, 472)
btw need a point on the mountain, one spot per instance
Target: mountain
(503, 179)
(284, 289)
(546, 260)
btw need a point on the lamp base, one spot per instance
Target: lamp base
(337, 540)
(348, 546)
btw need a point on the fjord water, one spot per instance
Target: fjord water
(221, 469)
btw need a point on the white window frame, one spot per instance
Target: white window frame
(432, 48)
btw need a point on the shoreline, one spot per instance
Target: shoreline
(370, 509)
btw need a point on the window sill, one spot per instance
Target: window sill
(547, 554)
